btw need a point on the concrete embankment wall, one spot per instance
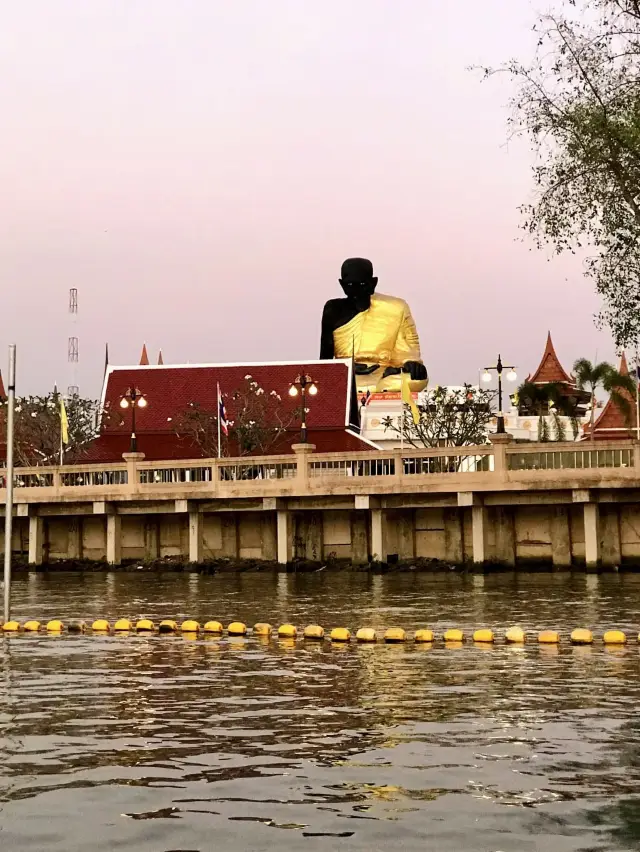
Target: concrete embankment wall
(510, 535)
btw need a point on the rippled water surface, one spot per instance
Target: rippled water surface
(153, 743)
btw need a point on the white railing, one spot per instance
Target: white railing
(487, 466)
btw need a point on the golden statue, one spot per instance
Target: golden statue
(377, 331)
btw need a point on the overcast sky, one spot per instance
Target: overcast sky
(199, 169)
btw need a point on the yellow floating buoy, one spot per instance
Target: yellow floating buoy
(614, 637)
(423, 636)
(189, 626)
(366, 634)
(453, 635)
(237, 628)
(314, 631)
(514, 636)
(145, 625)
(213, 627)
(340, 634)
(548, 637)
(11, 626)
(31, 626)
(287, 631)
(262, 629)
(581, 636)
(55, 626)
(168, 625)
(122, 625)
(483, 635)
(76, 627)
(100, 625)
(395, 634)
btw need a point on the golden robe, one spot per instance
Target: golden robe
(384, 335)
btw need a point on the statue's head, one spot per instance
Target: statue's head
(357, 280)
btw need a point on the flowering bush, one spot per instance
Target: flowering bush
(257, 422)
(37, 428)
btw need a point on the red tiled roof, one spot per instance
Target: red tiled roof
(3, 393)
(162, 447)
(144, 357)
(169, 390)
(612, 425)
(550, 368)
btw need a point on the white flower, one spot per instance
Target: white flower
(169, 419)
(33, 414)
(273, 393)
(248, 377)
(259, 391)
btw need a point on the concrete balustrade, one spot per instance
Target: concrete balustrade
(573, 503)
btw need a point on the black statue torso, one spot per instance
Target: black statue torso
(337, 312)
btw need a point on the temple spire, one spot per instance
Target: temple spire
(613, 423)
(3, 393)
(144, 357)
(160, 358)
(106, 359)
(550, 369)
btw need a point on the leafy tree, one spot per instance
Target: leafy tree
(620, 387)
(548, 402)
(449, 417)
(259, 422)
(37, 428)
(578, 103)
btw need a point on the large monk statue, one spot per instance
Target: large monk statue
(377, 331)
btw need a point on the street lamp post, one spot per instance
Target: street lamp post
(133, 398)
(511, 377)
(303, 385)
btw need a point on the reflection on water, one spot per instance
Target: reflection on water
(165, 743)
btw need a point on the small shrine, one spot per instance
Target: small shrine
(614, 424)
(551, 372)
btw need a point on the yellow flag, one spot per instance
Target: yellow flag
(64, 423)
(407, 398)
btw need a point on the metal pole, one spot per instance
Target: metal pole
(134, 440)
(8, 511)
(219, 425)
(303, 387)
(500, 427)
(637, 396)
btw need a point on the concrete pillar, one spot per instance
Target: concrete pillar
(269, 537)
(114, 539)
(36, 540)
(74, 537)
(302, 453)
(453, 539)
(592, 536)
(505, 536)
(479, 534)
(229, 534)
(283, 522)
(377, 535)
(560, 537)
(611, 553)
(359, 538)
(196, 540)
(151, 539)
(500, 443)
(133, 460)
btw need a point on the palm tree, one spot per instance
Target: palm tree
(619, 386)
(542, 400)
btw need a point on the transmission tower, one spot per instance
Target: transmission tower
(72, 348)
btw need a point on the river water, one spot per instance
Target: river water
(164, 744)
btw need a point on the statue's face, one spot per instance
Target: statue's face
(358, 281)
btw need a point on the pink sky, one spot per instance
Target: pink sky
(200, 169)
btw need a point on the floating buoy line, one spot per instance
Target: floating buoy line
(316, 633)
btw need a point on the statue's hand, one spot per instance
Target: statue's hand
(365, 369)
(416, 370)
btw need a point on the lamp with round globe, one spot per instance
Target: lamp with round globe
(303, 385)
(133, 398)
(511, 377)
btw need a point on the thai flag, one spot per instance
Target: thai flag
(222, 414)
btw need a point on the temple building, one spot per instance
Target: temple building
(614, 424)
(523, 419)
(178, 420)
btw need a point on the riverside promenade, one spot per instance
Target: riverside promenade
(502, 503)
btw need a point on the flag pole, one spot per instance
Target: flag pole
(637, 396)
(8, 511)
(219, 416)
